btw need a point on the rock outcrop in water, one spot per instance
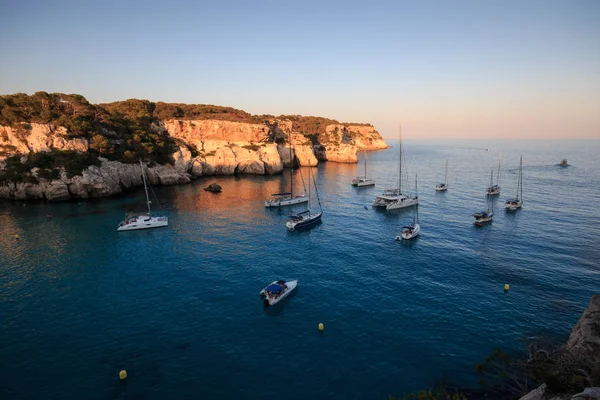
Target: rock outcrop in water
(116, 135)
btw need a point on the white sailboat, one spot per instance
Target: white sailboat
(517, 202)
(442, 187)
(393, 199)
(306, 218)
(494, 190)
(287, 198)
(487, 216)
(412, 230)
(143, 221)
(361, 181)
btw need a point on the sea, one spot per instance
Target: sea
(178, 308)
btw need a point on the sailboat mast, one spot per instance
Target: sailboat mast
(498, 176)
(446, 178)
(145, 187)
(400, 164)
(291, 167)
(365, 153)
(489, 197)
(520, 179)
(417, 195)
(309, 176)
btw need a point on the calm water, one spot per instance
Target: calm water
(178, 308)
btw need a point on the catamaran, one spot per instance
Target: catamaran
(442, 187)
(306, 218)
(363, 181)
(487, 216)
(287, 198)
(142, 221)
(393, 199)
(412, 230)
(517, 202)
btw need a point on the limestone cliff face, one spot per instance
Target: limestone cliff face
(222, 147)
(38, 137)
(110, 178)
(363, 137)
(196, 131)
(585, 336)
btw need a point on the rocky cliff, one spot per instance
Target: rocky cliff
(569, 370)
(195, 147)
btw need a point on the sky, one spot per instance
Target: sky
(442, 69)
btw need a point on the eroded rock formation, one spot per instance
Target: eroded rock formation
(207, 147)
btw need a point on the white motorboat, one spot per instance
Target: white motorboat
(360, 181)
(143, 221)
(485, 217)
(393, 199)
(306, 218)
(277, 291)
(442, 187)
(494, 189)
(517, 202)
(287, 198)
(413, 230)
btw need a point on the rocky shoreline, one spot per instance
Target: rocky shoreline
(576, 365)
(221, 147)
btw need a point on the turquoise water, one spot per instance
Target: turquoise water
(178, 308)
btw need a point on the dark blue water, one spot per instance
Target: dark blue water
(178, 308)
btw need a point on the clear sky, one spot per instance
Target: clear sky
(444, 69)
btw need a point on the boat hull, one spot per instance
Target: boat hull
(513, 205)
(402, 203)
(441, 188)
(272, 300)
(362, 182)
(407, 234)
(142, 222)
(306, 222)
(484, 221)
(493, 190)
(286, 201)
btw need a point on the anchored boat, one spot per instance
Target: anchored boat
(143, 221)
(277, 291)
